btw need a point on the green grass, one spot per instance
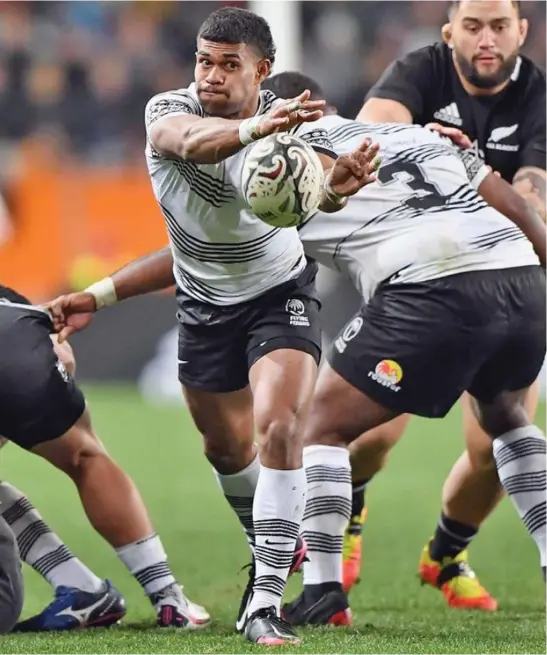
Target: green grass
(393, 614)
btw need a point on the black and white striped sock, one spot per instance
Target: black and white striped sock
(239, 490)
(520, 460)
(147, 562)
(328, 510)
(40, 547)
(278, 508)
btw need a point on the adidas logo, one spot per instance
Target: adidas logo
(449, 114)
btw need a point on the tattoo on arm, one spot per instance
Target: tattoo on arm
(531, 183)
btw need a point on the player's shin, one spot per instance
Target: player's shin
(278, 509)
(40, 547)
(327, 513)
(239, 490)
(520, 460)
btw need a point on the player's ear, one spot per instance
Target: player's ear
(446, 32)
(263, 69)
(523, 31)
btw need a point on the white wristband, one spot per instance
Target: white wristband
(331, 195)
(248, 130)
(104, 292)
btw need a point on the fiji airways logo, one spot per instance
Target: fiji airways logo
(499, 134)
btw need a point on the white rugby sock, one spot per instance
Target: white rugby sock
(520, 460)
(278, 508)
(239, 490)
(40, 547)
(328, 510)
(147, 562)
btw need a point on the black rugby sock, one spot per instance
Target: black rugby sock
(451, 537)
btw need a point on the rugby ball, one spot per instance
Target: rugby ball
(282, 180)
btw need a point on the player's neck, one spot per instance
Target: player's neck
(249, 110)
(473, 90)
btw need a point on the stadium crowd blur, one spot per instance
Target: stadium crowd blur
(75, 76)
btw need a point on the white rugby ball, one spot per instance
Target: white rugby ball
(282, 180)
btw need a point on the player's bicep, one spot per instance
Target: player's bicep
(382, 110)
(318, 138)
(531, 183)
(167, 135)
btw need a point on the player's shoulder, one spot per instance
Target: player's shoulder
(267, 100)
(434, 57)
(9, 295)
(530, 78)
(176, 101)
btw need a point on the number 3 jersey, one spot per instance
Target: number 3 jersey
(421, 220)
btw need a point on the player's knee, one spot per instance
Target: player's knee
(280, 439)
(228, 457)
(503, 414)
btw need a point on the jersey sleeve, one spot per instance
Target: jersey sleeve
(474, 165)
(532, 147)
(172, 103)
(406, 80)
(317, 137)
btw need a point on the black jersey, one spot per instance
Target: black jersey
(507, 128)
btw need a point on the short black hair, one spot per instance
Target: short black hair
(455, 5)
(234, 25)
(291, 84)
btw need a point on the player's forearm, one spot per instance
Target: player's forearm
(500, 195)
(531, 183)
(201, 140)
(211, 140)
(153, 272)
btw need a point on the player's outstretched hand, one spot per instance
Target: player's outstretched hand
(453, 133)
(291, 113)
(71, 313)
(352, 172)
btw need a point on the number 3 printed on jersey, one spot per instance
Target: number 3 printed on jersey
(425, 194)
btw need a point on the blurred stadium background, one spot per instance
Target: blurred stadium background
(76, 204)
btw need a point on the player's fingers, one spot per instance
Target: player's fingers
(310, 116)
(65, 333)
(365, 145)
(374, 165)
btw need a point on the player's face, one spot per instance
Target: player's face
(486, 37)
(228, 77)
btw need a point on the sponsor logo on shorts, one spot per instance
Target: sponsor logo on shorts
(295, 308)
(387, 373)
(350, 332)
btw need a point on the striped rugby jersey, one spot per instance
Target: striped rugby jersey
(222, 254)
(423, 219)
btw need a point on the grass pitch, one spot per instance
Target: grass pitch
(393, 614)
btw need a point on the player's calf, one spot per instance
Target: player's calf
(519, 451)
(115, 509)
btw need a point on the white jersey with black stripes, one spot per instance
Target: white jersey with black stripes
(222, 254)
(422, 219)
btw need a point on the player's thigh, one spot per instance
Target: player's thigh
(40, 400)
(283, 351)
(506, 376)
(340, 411)
(74, 449)
(225, 421)
(11, 579)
